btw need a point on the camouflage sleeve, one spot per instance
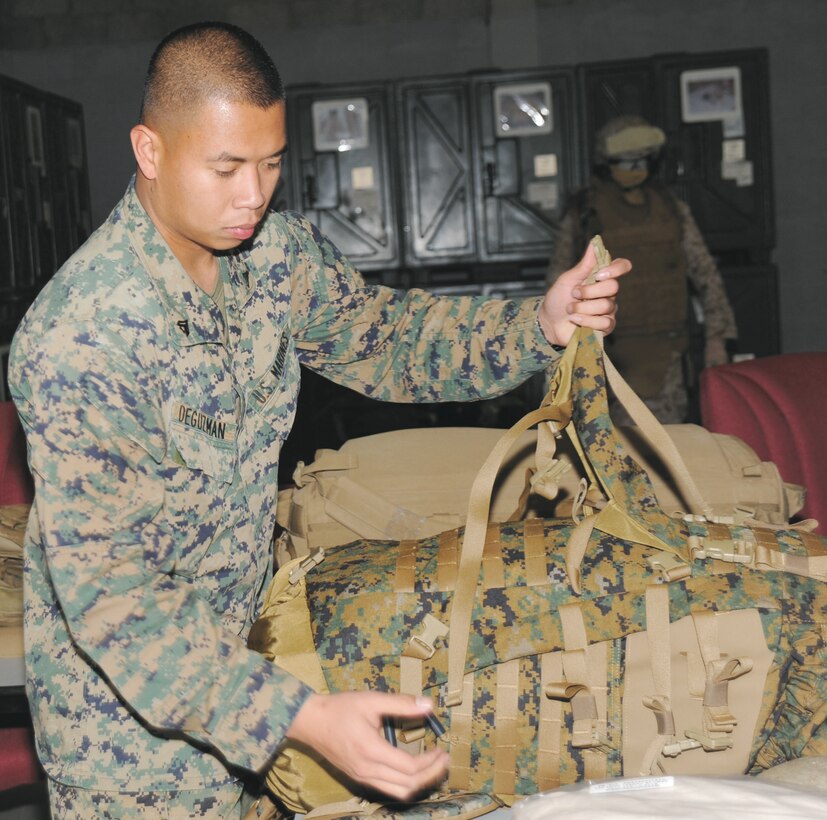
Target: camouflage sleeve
(93, 416)
(568, 245)
(705, 276)
(407, 345)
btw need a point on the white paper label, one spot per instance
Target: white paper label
(362, 178)
(741, 173)
(545, 165)
(733, 150)
(632, 784)
(734, 125)
(545, 195)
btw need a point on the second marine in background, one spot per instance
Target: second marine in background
(640, 219)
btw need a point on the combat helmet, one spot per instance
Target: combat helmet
(627, 137)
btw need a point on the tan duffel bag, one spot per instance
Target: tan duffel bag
(13, 519)
(416, 483)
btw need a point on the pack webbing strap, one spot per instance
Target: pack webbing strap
(505, 727)
(410, 675)
(544, 480)
(343, 808)
(655, 433)
(493, 569)
(447, 560)
(405, 576)
(459, 773)
(813, 566)
(473, 544)
(536, 568)
(367, 513)
(719, 672)
(585, 668)
(550, 727)
(576, 549)
(715, 689)
(410, 683)
(356, 807)
(757, 548)
(657, 636)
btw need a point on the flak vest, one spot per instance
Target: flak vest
(653, 302)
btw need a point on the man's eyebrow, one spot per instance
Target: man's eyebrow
(225, 156)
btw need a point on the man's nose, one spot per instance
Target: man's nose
(250, 193)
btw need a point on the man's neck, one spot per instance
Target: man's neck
(199, 262)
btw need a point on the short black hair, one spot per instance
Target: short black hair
(208, 60)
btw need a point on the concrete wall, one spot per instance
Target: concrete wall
(95, 51)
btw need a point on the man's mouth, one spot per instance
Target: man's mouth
(242, 231)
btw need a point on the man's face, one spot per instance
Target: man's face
(629, 173)
(215, 174)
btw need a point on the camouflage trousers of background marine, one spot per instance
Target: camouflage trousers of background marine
(229, 801)
(670, 406)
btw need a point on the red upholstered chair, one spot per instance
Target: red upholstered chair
(15, 482)
(777, 405)
(18, 762)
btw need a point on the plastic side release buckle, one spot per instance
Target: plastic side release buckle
(669, 566)
(674, 749)
(312, 560)
(710, 744)
(736, 551)
(590, 737)
(422, 646)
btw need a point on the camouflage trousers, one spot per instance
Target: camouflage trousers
(229, 801)
(670, 405)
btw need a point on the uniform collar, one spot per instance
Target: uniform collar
(192, 315)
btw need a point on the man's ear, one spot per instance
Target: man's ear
(145, 146)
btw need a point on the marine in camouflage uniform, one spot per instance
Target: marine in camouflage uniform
(156, 377)
(639, 218)
(154, 425)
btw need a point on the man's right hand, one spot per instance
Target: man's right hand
(346, 729)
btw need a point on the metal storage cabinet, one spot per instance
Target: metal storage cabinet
(437, 171)
(44, 193)
(722, 166)
(342, 172)
(608, 90)
(66, 154)
(7, 229)
(753, 293)
(32, 180)
(526, 151)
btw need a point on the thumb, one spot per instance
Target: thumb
(586, 264)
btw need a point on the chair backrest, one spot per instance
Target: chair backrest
(18, 760)
(16, 485)
(777, 405)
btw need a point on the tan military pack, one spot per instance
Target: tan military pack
(359, 491)
(616, 641)
(13, 519)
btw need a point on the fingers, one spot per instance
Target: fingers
(346, 729)
(604, 323)
(612, 272)
(594, 306)
(618, 267)
(402, 775)
(402, 705)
